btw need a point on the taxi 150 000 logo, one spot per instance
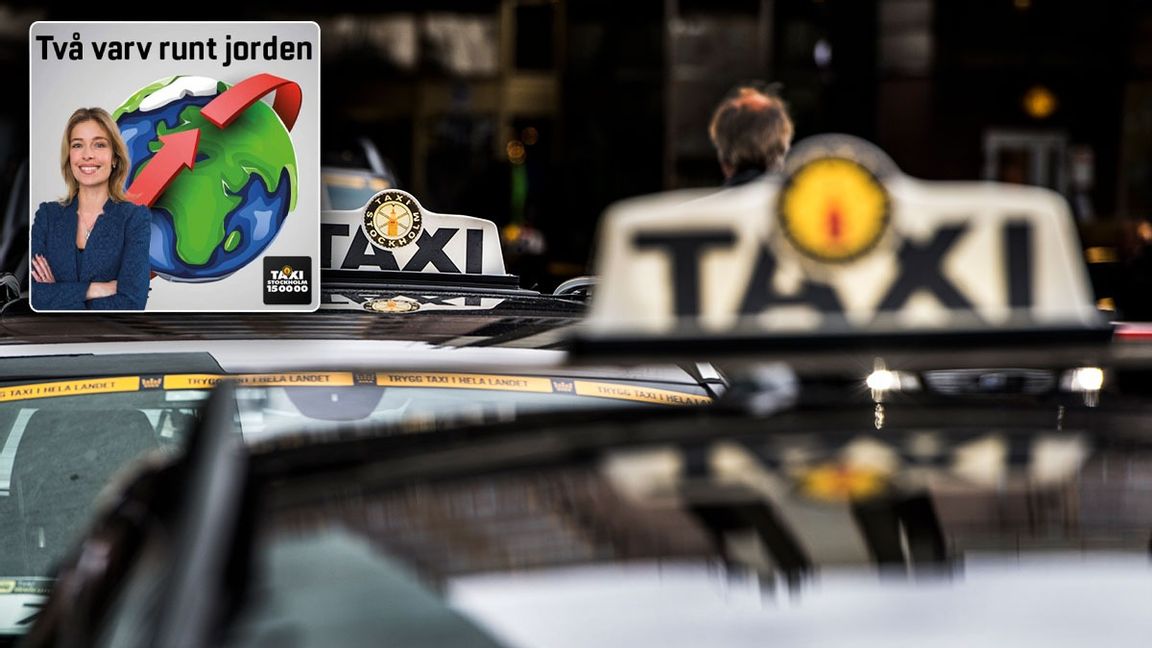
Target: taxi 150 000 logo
(287, 280)
(222, 211)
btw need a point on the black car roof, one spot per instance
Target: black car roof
(513, 318)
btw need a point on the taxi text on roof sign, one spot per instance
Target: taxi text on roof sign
(393, 232)
(841, 241)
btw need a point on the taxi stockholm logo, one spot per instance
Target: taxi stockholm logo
(287, 280)
(833, 210)
(287, 273)
(392, 220)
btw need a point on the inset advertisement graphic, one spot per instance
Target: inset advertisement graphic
(207, 133)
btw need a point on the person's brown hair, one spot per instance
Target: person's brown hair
(751, 129)
(119, 153)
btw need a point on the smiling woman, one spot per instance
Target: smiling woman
(90, 248)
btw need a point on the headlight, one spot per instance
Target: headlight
(1086, 379)
(881, 381)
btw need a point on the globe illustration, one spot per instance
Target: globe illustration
(220, 215)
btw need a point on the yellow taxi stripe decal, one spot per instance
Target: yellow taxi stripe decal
(466, 381)
(297, 379)
(635, 393)
(533, 384)
(70, 388)
(615, 391)
(40, 586)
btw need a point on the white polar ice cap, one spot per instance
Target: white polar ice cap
(187, 86)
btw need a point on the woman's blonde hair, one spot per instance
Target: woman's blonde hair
(119, 154)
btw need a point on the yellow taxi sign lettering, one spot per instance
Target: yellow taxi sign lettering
(418, 380)
(70, 388)
(614, 391)
(294, 379)
(637, 393)
(842, 241)
(465, 381)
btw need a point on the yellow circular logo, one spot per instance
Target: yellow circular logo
(391, 306)
(392, 219)
(833, 209)
(838, 482)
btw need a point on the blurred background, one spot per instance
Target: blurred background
(536, 114)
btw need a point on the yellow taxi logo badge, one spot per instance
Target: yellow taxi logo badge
(833, 210)
(392, 306)
(839, 482)
(392, 219)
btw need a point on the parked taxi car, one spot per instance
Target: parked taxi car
(424, 333)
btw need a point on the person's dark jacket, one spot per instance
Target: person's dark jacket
(117, 249)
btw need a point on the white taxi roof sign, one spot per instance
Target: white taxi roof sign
(393, 232)
(841, 242)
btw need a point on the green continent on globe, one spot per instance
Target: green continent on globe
(255, 143)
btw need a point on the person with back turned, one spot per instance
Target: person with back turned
(752, 133)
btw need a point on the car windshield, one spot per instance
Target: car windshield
(61, 442)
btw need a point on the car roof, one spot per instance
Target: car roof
(449, 324)
(453, 316)
(495, 330)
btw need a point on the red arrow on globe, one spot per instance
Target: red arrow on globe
(178, 151)
(228, 105)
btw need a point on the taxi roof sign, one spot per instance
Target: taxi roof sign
(393, 233)
(842, 243)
